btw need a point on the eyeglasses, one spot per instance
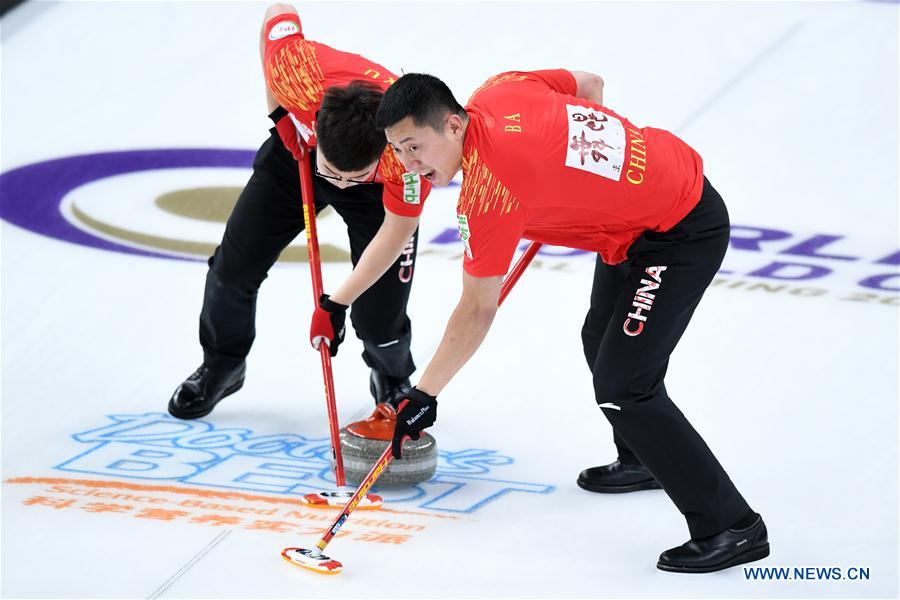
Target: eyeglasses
(370, 179)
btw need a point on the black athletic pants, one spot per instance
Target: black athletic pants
(631, 329)
(267, 217)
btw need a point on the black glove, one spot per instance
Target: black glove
(417, 412)
(328, 324)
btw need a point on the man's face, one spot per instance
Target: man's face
(436, 155)
(343, 179)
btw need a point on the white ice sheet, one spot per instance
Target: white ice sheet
(793, 383)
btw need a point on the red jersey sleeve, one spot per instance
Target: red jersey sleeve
(491, 221)
(298, 71)
(560, 80)
(293, 73)
(404, 193)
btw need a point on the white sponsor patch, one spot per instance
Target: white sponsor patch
(465, 234)
(596, 142)
(283, 29)
(412, 189)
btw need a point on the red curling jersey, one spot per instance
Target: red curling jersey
(299, 71)
(544, 165)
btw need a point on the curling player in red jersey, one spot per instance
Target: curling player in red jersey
(328, 98)
(543, 159)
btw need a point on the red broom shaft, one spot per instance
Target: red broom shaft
(510, 280)
(315, 270)
(364, 487)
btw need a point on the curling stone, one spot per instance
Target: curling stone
(363, 442)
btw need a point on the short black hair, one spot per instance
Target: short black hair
(345, 126)
(423, 97)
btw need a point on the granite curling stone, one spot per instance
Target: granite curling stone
(363, 442)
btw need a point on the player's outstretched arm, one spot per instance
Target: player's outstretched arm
(385, 248)
(465, 331)
(590, 86)
(271, 12)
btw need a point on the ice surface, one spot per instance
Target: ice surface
(793, 383)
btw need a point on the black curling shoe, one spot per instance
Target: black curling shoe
(727, 549)
(198, 395)
(617, 478)
(385, 388)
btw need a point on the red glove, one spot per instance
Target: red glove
(328, 324)
(287, 132)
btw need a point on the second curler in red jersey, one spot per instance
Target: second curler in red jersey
(299, 71)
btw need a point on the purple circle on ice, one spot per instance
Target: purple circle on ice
(30, 196)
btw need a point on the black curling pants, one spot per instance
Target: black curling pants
(639, 310)
(267, 217)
